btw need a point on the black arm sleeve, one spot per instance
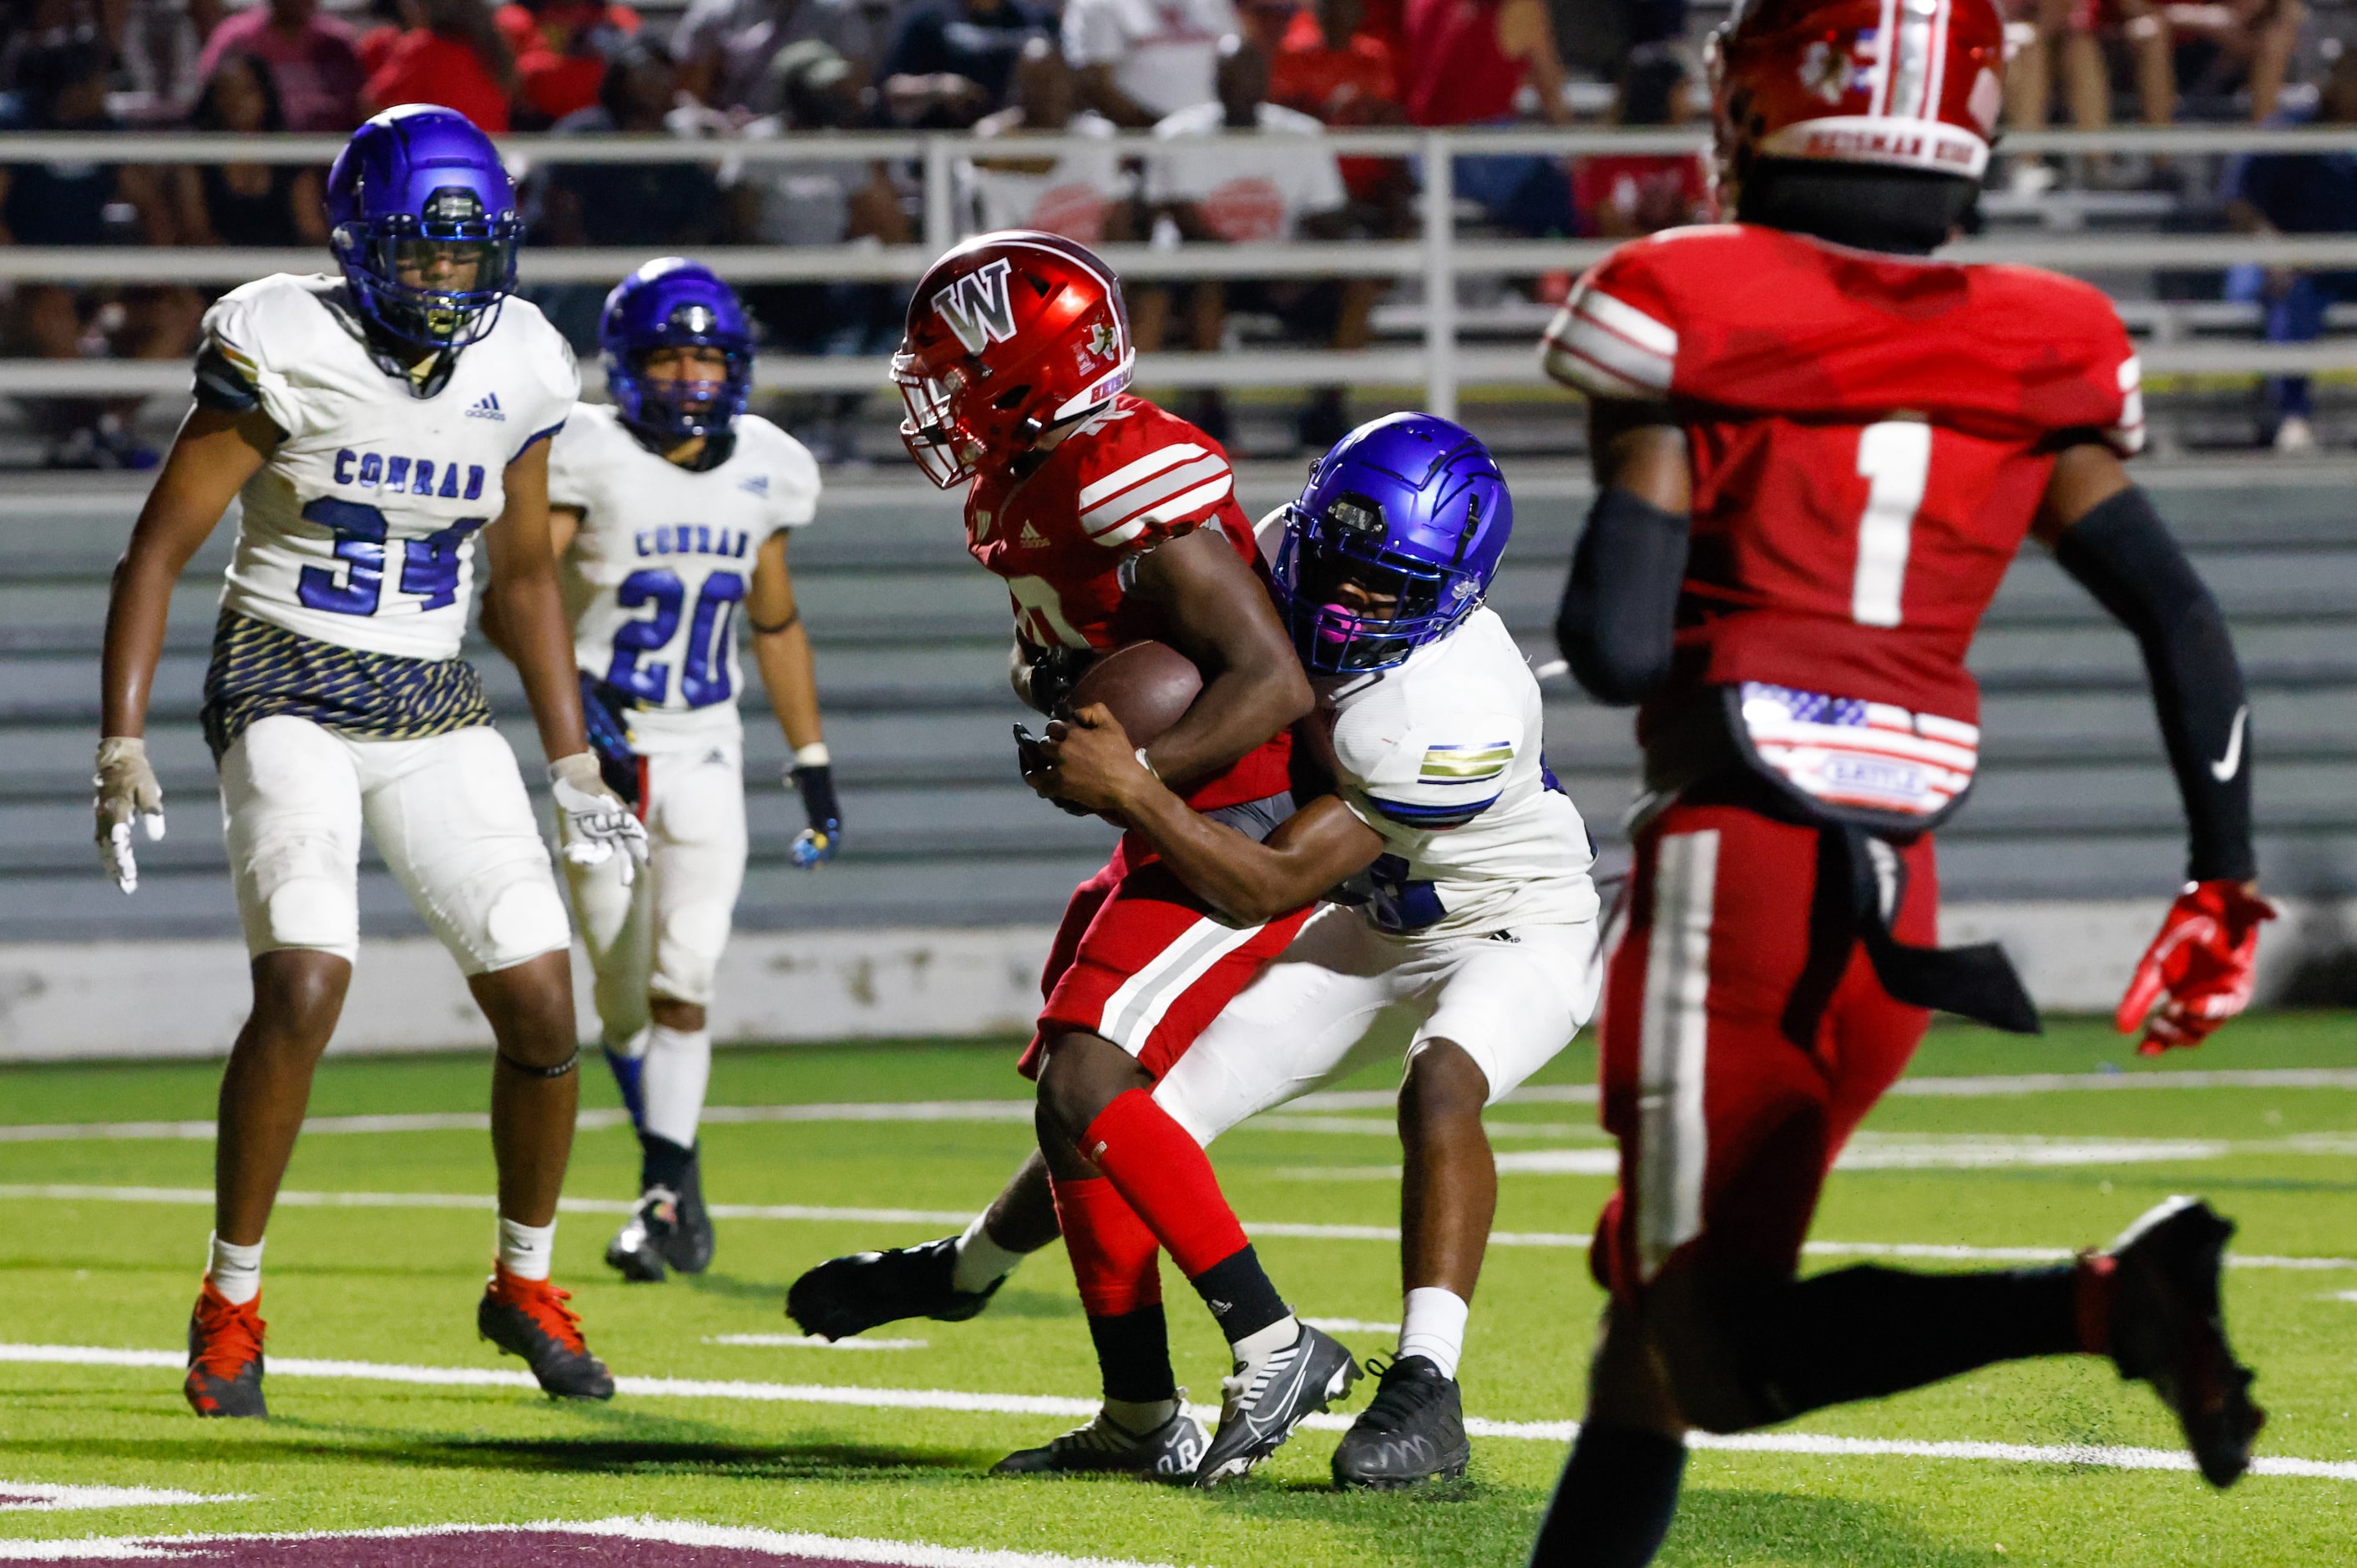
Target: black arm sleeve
(1618, 605)
(2122, 552)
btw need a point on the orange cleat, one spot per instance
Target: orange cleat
(529, 1318)
(225, 1357)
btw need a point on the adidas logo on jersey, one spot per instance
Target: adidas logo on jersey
(487, 408)
(1032, 538)
(759, 485)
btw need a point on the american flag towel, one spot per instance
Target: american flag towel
(1845, 751)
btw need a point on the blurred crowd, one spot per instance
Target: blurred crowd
(1009, 72)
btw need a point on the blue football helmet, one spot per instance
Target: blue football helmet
(672, 302)
(424, 225)
(1392, 543)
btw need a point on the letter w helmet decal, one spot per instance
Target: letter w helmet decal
(976, 307)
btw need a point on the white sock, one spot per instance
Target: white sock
(235, 1271)
(1138, 1419)
(982, 1263)
(634, 1047)
(1261, 1344)
(678, 1070)
(526, 1251)
(1433, 1326)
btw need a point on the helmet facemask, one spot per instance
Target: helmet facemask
(436, 282)
(1351, 605)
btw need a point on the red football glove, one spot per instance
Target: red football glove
(2199, 968)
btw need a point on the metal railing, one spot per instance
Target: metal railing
(1439, 257)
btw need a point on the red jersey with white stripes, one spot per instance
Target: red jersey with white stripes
(1870, 437)
(1133, 477)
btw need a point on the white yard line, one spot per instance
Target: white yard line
(2103, 1457)
(1305, 1117)
(674, 1533)
(1388, 1234)
(45, 1496)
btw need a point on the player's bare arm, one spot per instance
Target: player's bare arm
(215, 453)
(1216, 612)
(522, 601)
(1318, 846)
(564, 522)
(781, 645)
(2104, 531)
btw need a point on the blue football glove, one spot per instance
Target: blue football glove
(603, 715)
(817, 843)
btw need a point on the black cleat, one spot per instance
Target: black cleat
(1412, 1431)
(1168, 1453)
(225, 1356)
(638, 1252)
(1259, 1408)
(529, 1318)
(844, 1297)
(2167, 1328)
(689, 1248)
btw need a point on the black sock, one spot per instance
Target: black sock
(1133, 1353)
(1864, 1332)
(1240, 1294)
(1615, 1501)
(663, 1163)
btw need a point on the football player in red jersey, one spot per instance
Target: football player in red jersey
(1818, 450)
(1112, 521)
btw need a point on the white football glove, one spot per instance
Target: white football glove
(596, 820)
(124, 786)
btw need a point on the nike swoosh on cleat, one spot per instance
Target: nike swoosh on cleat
(2226, 767)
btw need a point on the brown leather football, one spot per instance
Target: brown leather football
(1147, 684)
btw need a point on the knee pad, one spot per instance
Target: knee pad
(687, 953)
(524, 921)
(305, 894)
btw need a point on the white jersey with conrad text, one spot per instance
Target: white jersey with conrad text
(1442, 756)
(663, 558)
(360, 527)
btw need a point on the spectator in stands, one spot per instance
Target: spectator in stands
(724, 48)
(62, 87)
(829, 203)
(560, 49)
(1330, 66)
(162, 42)
(245, 204)
(1281, 186)
(452, 55)
(649, 207)
(311, 57)
(1469, 61)
(951, 62)
(2068, 38)
(2238, 47)
(1618, 195)
(1140, 59)
(1082, 196)
(2297, 193)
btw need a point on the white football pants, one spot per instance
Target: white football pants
(448, 813)
(663, 936)
(1510, 1002)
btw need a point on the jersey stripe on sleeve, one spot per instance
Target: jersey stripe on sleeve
(1453, 815)
(1608, 348)
(2127, 437)
(1163, 486)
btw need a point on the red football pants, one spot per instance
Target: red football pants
(1744, 1036)
(1143, 962)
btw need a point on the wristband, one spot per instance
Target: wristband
(814, 755)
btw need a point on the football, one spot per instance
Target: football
(1147, 684)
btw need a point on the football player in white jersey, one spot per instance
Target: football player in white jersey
(373, 426)
(669, 510)
(1480, 922)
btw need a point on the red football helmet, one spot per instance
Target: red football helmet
(1008, 334)
(1904, 83)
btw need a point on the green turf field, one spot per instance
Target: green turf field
(395, 1283)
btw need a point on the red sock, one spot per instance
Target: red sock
(1114, 1254)
(1167, 1179)
(2094, 1288)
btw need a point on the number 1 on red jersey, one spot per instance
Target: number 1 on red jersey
(1894, 458)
